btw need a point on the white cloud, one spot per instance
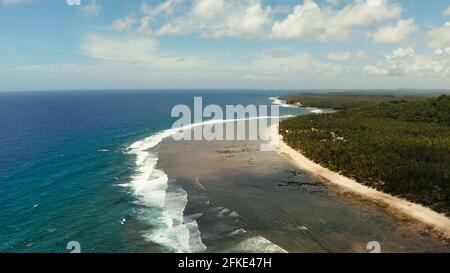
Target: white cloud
(216, 18)
(374, 71)
(247, 23)
(145, 23)
(363, 55)
(254, 19)
(138, 51)
(401, 53)
(139, 59)
(207, 9)
(392, 34)
(404, 62)
(312, 22)
(123, 23)
(90, 10)
(347, 56)
(447, 12)
(439, 37)
(288, 70)
(290, 66)
(145, 52)
(173, 29)
(166, 8)
(340, 56)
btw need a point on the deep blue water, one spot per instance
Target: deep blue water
(63, 155)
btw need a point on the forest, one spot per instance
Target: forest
(396, 144)
(344, 101)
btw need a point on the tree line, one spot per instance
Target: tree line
(396, 145)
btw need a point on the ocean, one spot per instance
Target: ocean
(74, 166)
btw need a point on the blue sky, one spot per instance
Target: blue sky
(50, 45)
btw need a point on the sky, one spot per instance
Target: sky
(218, 44)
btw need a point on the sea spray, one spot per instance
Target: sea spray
(164, 204)
(164, 209)
(277, 101)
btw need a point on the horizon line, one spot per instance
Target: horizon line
(403, 89)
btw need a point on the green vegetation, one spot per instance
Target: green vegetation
(343, 101)
(436, 110)
(400, 146)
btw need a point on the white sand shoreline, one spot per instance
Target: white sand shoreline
(437, 221)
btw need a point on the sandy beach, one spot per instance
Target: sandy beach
(439, 222)
(243, 199)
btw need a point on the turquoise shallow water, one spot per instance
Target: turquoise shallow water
(64, 161)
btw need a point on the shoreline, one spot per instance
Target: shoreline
(250, 200)
(439, 222)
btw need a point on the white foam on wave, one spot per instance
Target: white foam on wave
(282, 103)
(258, 244)
(315, 110)
(172, 228)
(238, 232)
(277, 101)
(200, 185)
(222, 212)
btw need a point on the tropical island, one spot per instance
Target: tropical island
(397, 144)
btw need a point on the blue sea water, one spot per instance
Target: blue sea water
(64, 158)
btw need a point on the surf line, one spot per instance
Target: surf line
(173, 229)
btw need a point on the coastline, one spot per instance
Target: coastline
(249, 200)
(439, 222)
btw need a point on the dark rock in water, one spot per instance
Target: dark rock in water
(307, 186)
(295, 173)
